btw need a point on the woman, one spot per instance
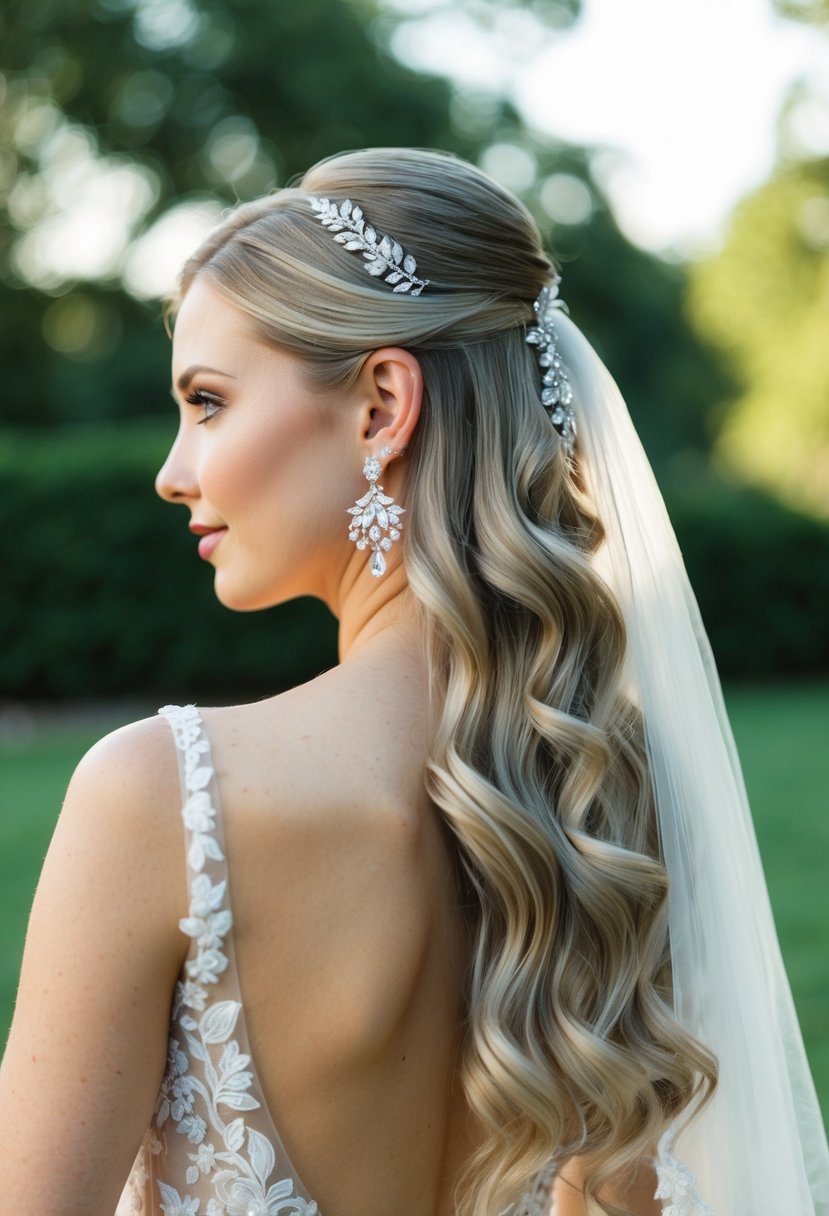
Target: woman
(497, 912)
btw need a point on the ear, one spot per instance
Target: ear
(391, 383)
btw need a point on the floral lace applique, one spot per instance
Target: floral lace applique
(536, 1201)
(205, 1090)
(677, 1183)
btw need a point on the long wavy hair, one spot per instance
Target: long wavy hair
(537, 759)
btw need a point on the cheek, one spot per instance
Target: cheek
(268, 471)
(239, 471)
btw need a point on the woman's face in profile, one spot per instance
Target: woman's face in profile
(260, 454)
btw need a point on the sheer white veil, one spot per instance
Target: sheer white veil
(759, 1148)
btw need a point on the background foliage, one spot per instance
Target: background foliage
(121, 116)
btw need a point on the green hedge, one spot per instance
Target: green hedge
(104, 593)
(761, 575)
(104, 596)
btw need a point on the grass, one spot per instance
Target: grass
(781, 734)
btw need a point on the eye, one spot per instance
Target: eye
(207, 401)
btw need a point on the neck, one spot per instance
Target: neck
(372, 606)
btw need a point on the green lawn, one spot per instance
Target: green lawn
(782, 736)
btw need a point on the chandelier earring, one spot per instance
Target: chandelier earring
(375, 518)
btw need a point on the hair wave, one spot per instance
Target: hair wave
(537, 760)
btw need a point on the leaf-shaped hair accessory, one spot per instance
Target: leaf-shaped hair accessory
(385, 257)
(556, 392)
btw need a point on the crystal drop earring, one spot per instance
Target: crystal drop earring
(375, 518)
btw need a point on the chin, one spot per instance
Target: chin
(248, 598)
(237, 598)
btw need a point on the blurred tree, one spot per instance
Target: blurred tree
(764, 300)
(113, 108)
(814, 11)
(124, 118)
(126, 127)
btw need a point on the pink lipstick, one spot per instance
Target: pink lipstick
(209, 542)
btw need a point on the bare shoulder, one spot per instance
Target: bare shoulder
(138, 759)
(123, 802)
(128, 780)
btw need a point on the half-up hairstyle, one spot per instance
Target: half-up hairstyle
(537, 759)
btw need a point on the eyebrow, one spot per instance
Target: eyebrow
(186, 376)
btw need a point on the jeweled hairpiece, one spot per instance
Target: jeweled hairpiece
(385, 257)
(556, 393)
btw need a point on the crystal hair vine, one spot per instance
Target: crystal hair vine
(385, 257)
(556, 393)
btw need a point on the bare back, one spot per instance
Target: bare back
(350, 943)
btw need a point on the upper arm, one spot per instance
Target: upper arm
(87, 1047)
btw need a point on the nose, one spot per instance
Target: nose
(176, 480)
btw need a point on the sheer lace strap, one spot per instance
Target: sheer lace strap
(676, 1182)
(199, 802)
(210, 918)
(538, 1199)
(676, 1185)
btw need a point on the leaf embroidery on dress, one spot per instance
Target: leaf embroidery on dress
(677, 1183)
(207, 1081)
(536, 1201)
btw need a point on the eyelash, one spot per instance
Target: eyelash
(200, 397)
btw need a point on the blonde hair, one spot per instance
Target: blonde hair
(537, 760)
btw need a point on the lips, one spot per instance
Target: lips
(210, 540)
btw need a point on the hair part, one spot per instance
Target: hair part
(537, 760)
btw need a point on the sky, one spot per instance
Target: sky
(681, 96)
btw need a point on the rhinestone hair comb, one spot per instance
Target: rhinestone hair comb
(385, 257)
(556, 393)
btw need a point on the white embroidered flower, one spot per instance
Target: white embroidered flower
(183, 1097)
(177, 1065)
(205, 1161)
(193, 995)
(173, 1205)
(198, 813)
(177, 1059)
(209, 931)
(249, 1198)
(206, 896)
(207, 966)
(677, 1183)
(193, 1127)
(214, 1208)
(188, 996)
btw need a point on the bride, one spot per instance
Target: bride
(473, 923)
